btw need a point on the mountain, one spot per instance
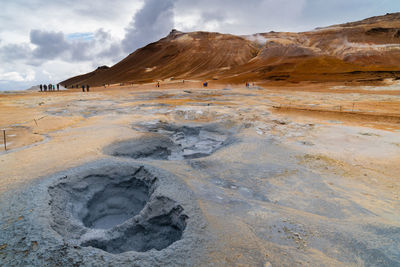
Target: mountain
(84, 78)
(367, 50)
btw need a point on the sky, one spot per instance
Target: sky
(45, 41)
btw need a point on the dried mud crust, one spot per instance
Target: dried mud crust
(165, 141)
(116, 212)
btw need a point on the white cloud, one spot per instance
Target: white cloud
(11, 77)
(14, 76)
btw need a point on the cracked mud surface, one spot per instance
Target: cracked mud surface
(258, 186)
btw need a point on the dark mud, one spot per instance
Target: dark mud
(166, 141)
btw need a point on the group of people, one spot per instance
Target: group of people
(248, 84)
(83, 88)
(50, 87)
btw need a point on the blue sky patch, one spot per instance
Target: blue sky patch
(80, 36)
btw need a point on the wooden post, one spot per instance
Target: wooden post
(5, 142)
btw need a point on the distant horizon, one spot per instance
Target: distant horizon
(36, 50)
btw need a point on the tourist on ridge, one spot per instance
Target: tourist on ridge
(41, 87)
(58, 87)
(49, 87)
(45, 88)
(83, 88)
(87, 88)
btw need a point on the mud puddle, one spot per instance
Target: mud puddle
(164, 141)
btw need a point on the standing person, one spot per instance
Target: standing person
(58, 87)
(49, 86)
(45, 88)
(87, 88)
(41, 87)
(83, 88)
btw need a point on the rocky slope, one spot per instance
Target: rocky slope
(367, 50)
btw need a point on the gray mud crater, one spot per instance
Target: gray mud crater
(164, 141)
(111, 212)
(116, 212)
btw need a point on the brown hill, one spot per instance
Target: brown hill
(81, 79)
(357, 51)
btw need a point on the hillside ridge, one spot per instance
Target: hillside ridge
(366, 50)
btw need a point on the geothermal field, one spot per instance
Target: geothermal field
(298, 167)
(217, 176)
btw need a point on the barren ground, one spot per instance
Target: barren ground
(280, 176)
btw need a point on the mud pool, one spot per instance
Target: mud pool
(173, 142)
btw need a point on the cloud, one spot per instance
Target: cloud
(14, 76)
(15, 52)
(49, 45)
(238, 17)
(11, 76)
(149, 24)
